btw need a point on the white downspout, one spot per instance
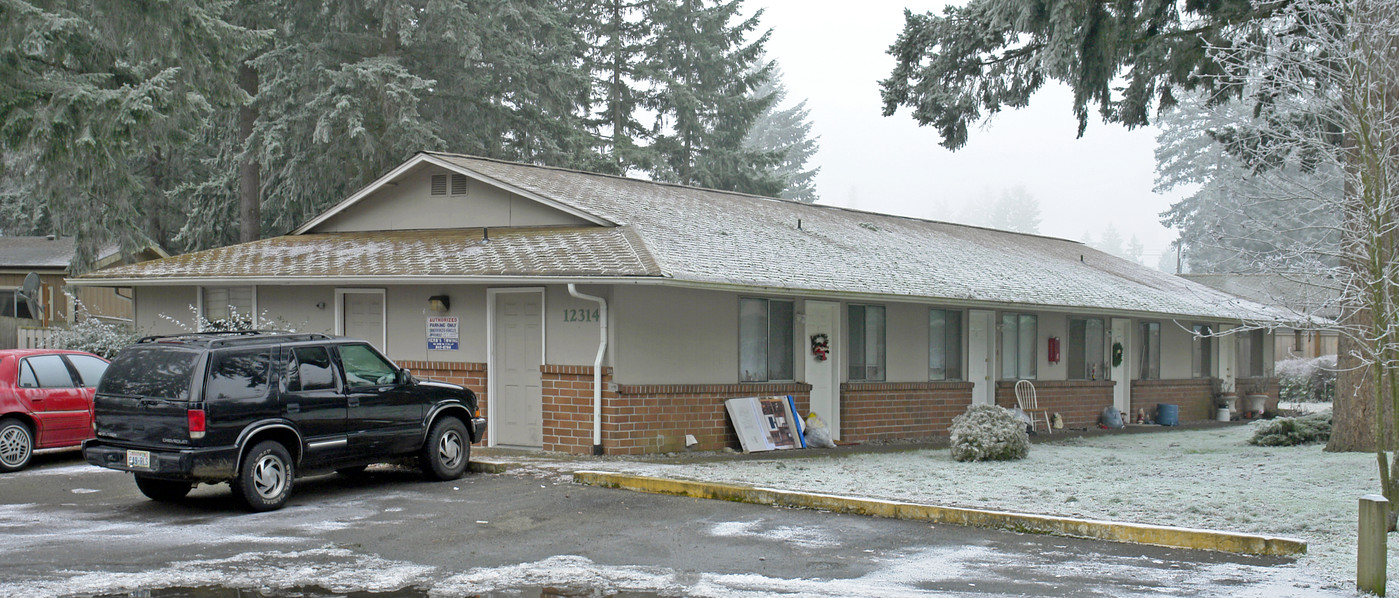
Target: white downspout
(597, 364)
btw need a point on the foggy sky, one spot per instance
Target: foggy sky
(833, 55)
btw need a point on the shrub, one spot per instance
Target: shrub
(989, 433)
(94, 336)
(1292, 431)
(1307, 380)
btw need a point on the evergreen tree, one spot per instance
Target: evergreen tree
(702, 66)
(786, 130)
(102, 100)
(618, 36)
(1016, 210)
(1240, 218)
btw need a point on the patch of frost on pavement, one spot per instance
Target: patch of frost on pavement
(337, 570)
(806, 537)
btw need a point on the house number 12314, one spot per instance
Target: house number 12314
(580, 315)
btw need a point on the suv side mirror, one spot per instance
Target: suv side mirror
(405, 376)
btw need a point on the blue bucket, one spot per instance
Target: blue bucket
(1167, 414)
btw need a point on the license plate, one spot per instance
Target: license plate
(140, 459)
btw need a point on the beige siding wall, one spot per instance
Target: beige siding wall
(410, 205)
(153, 303)
(675, 336)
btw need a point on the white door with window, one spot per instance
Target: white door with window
(822, 318)
(1121, 335)
(516, 399)
(981, 355)
(361, 315)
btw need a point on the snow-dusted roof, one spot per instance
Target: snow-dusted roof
(1303, 293)
(580, 252)
(682, 235)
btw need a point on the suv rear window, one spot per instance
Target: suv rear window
(156, 372)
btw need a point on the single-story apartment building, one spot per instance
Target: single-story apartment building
(597, 313)
(1315, 297)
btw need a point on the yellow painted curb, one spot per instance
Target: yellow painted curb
(1157, 535)
(488, 466)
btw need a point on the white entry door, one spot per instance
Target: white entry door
(516, 399)
(361, 315)
(823, 318)
(981, 355)
(1122, 383)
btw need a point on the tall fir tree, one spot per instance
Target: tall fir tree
(786, 130)
(702, 64)
(102, 101)
(618, 36)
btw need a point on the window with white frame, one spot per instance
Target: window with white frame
(226, 304)
(1019, 333)
(1202, 351)
(1150, 351)
(867, 342)
(1249, 346)
(944, 344)
(1085, 354)
(765, 332)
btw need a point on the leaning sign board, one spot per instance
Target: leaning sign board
(765, 423)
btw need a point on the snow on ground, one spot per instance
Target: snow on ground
(1210, 479)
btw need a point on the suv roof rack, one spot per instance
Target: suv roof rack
(224, 337)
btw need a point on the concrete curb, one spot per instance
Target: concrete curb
(1157, 535)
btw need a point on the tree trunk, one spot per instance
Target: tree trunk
(1353, 409)
(249, 170)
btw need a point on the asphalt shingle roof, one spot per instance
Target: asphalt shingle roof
(688, 235)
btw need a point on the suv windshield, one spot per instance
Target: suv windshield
(157, 372)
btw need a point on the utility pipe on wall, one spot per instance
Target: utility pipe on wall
(597, 364)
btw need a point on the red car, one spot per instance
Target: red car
(45, 401)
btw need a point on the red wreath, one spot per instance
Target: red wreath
(820, 346)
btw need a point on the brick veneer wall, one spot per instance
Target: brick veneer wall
(886, 410)
(470, 375)
(652, 418)
(1193, 396)
(1079, 402)
(568, 408)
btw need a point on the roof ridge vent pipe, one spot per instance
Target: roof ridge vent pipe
(597, 364)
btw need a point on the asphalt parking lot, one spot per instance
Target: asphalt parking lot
(70, 529)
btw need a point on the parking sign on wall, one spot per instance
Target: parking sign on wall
(442, 333)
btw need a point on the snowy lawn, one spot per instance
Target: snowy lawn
(1209, 479)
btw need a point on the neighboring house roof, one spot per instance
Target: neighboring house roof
(679, 235)
(1308, 294)
(55, 253)
(36, 253)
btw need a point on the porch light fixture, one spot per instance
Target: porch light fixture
(439, 303)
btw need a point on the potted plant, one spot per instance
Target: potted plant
(1256, 397)
(1224, 400)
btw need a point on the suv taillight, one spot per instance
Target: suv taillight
(196, 423)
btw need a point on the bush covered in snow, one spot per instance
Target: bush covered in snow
(1307, 380)
(94, 336)
(1292, 431)
(989, 433)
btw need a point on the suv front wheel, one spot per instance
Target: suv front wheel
(264, 483)
(447, 451)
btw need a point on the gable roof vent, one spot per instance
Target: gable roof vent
(459, 184)
(439, 184)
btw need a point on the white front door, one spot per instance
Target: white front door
(361, 315)
(1122, 383)
(516, 399)
(1225, 367)
(981, 355)
(823, 318)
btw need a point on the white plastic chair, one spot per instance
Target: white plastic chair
(1025, 398)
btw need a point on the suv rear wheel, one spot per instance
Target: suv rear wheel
(447, 451)
(264, 483)
(163, 490)
(16, 445)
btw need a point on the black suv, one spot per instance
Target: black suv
(255, 409)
